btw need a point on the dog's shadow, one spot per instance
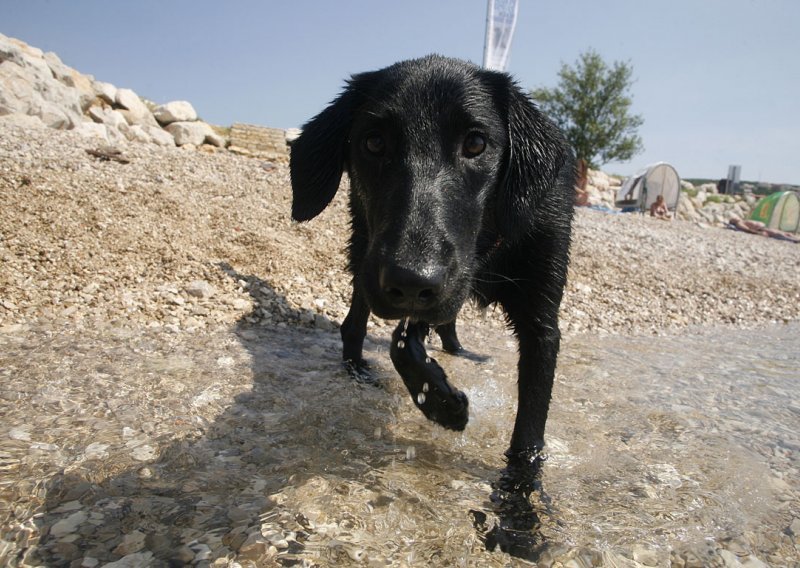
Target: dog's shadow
(223, 492)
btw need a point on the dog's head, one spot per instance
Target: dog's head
(439, 152)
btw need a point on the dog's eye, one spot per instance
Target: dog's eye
(474, 144)
(375, 144)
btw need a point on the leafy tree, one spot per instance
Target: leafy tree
(591, 104)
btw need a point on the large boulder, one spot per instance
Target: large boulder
(105, 91)
(133, 109)
(108, 116)
(102, 133)
(27, 86)
(159, 136)
(175, 111)
(71, 78)
(195, 133)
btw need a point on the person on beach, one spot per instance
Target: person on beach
(659, 209)
(581, 193)
(758, 228)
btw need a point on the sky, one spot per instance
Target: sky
(717, 82)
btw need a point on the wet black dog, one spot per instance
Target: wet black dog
(459, 187)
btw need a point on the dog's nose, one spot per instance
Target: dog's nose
(406, 288)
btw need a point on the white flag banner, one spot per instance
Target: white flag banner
(500, 23)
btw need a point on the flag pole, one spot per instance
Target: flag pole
(486, 39)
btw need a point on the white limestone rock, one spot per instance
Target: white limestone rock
(105, 91)
(175, 111)
(194, 133)
(133, 109)
(159, 136)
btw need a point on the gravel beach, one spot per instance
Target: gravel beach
(189, 240)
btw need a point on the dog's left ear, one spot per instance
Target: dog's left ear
(318, 156)
(537, 161)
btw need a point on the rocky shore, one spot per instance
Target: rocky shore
(184, 240)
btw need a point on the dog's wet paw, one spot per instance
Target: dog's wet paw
(441, 403)
(361, 372)
(426, 381)
(523, 471)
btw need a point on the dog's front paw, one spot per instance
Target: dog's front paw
(425, 380)
(523, 471)
(360, 371)
(440, 402)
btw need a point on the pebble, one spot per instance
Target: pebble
(69, 524)
(144, 453)
(131, 542)
(200, 289)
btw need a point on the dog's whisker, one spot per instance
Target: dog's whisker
(501, 278)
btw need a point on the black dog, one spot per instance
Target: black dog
(459, 187)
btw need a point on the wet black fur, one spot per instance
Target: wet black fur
(495, 226)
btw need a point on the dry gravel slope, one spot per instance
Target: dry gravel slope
(85, 242)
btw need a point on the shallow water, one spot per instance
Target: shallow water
(254, 445)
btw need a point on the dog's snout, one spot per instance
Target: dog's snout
(405, 288)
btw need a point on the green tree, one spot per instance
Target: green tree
(592, 104)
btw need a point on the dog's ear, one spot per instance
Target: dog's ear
(318, 156)
(538, 161)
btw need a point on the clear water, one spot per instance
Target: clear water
(254, 445)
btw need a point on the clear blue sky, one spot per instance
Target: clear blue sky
(717, 81)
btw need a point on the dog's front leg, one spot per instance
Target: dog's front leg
(425, 380)
(517, 528)
(354, 330)
(537, 363)
(447, 333)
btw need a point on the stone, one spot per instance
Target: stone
(216, 140)
(133, 108)
(794, 529)
(139, 134)
(645, 556)
(69, 524)
(159, 136)
(323, 323)
(93, 130)
(9, 51)
(729, 559)
(194, 133)
(200, 289)
(60, 71)
(28, 89)
(107, 116)
(753, 562)
(105, 91)
(131, 542)
(254, 547)
(110, 136)
(135, 560)
(175, 111)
